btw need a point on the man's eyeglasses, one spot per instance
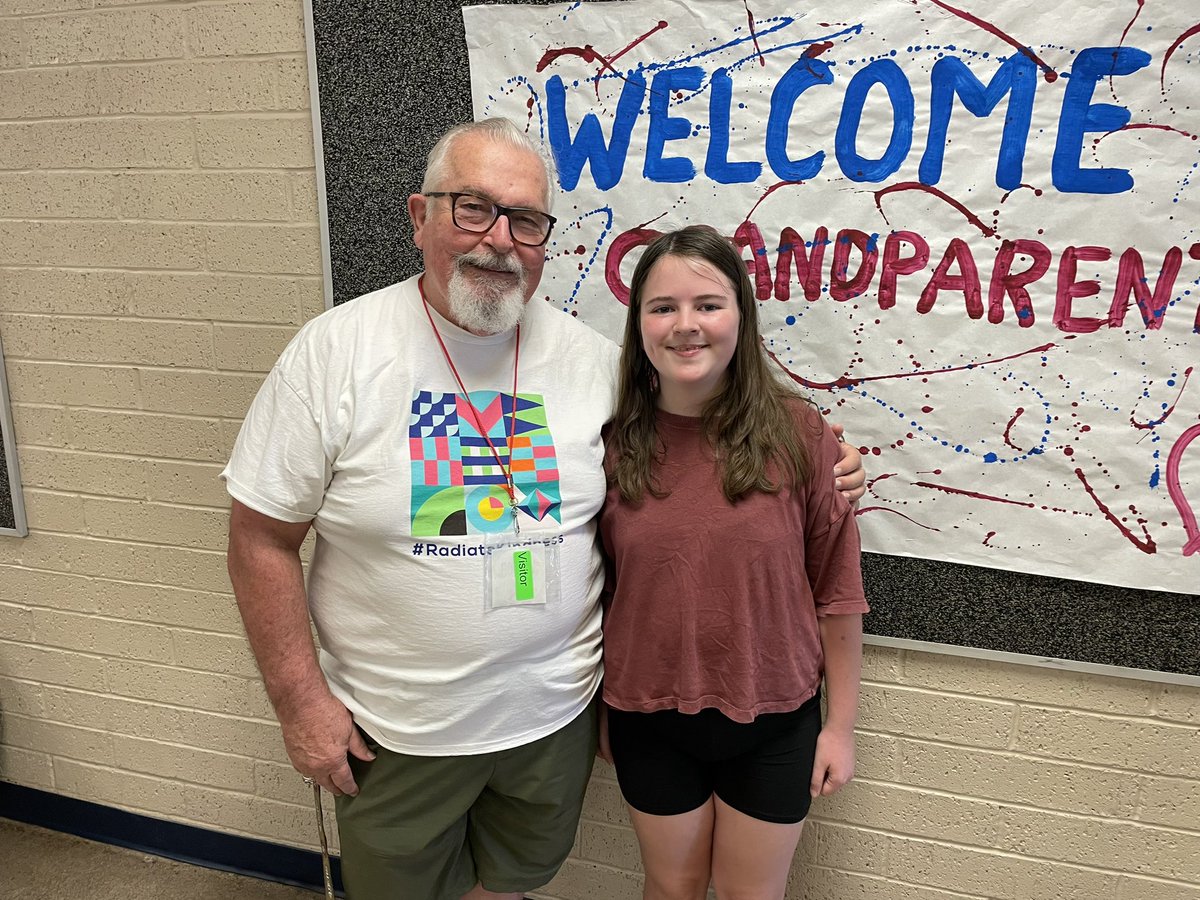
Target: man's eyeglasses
(477, 215)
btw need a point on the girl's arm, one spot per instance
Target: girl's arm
(841, 642)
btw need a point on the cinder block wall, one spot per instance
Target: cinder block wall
(158, 245)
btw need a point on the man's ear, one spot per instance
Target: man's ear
(418, 205)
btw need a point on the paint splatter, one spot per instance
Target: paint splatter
(1162, 75)
(1048, 73)
(935, 192)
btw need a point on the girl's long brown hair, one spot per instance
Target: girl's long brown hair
(748, 423)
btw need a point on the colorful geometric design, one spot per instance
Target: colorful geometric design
(458, 481)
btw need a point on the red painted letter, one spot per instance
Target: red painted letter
(840, 287)
(634, 237)
(966, 281)
(894, 264)
(1131, 276)
(808, 269)
(748, 235)
(1004, 282)
(1069, 289)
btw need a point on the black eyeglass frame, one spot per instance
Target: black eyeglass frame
(505, 211)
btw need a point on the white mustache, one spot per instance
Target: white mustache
(485, 260)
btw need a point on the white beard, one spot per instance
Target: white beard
(479, 307)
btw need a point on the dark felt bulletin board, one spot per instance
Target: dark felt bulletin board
(12, 509)
(394, 75)
(8, 519)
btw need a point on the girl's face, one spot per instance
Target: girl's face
(689, 323)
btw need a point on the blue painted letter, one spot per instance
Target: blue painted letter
(717, 166)
(854, 166)
(804, 73)
(608, 163)
(664, 127)
(1080, 116)
(951, 76)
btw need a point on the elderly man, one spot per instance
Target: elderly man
(443, 436)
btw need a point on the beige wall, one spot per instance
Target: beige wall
(158, 245)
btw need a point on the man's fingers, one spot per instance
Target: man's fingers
(358, 747)
(342, 780)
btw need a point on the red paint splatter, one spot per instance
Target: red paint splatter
(883, 477)
(753, 33)
(847, 381)
(867, 509)
(1129, 27)
(588, 53)
(978, 496)
(1162, 75)
(1136, 127)
(658, 27)
(1125, 34)
(1009, 427)
(1037, 192)
(1027, 504)
(815, 50)
(1170, 409)
(1191, 529)
(772, 189)
(1146, 546)
(941, 195)
(988, 537)
(652, 221)
(1048, 73)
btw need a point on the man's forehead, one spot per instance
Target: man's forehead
(496, 171)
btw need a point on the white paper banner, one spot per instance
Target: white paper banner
(973, 230)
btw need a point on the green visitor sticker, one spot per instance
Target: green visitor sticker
(523, 574)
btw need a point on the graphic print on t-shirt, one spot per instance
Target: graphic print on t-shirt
(457, 486)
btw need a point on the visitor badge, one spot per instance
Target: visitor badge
(521, 571)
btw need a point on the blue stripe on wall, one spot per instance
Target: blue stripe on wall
(186, 843)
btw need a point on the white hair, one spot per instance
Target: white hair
(500, 130)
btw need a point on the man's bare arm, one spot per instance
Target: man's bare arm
(268, 580)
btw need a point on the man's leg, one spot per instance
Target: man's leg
(524, 823)
(404, 834)
(480, 893)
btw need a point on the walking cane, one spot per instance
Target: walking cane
(316, 788)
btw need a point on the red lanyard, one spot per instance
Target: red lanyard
(509, 485)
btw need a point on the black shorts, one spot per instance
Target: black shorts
(670, 762)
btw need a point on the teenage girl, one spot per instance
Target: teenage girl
(734, 586)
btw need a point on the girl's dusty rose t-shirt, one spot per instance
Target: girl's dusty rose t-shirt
(710, 604)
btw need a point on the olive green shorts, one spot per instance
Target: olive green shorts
(432, 827)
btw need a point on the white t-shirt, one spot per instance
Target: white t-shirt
(361, 428)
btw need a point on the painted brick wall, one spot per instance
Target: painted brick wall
(158, 245)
